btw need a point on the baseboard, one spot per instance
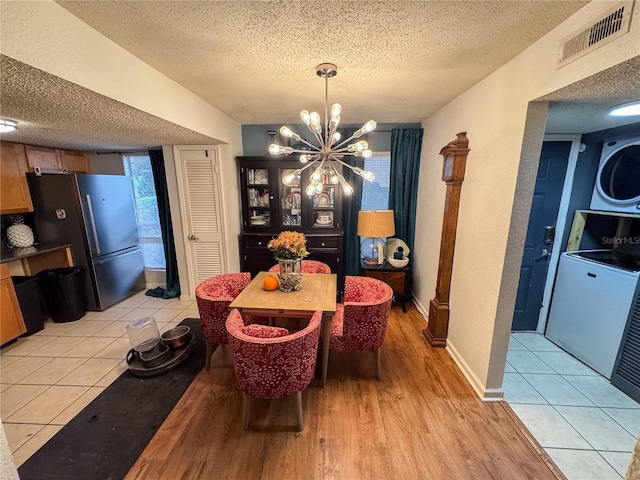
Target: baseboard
(421, 308)
(154, 285)
(185, 298)
(486, 394)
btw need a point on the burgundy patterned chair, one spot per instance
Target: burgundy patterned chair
(308, 266)
(272, 363)
(360, 323)
(213, 297)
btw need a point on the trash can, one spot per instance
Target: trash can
(29, 299)
(64, 293)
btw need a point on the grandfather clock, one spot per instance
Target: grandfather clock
(455, 161)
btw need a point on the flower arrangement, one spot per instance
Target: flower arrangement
(289, 246)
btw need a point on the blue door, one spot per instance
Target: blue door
(540, 234)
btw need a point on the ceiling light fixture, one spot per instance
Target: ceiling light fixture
(330, 150)
(626, 109)
(7, 125)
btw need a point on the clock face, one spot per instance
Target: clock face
(447, 169)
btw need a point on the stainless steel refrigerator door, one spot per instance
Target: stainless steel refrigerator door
(118, 275)
(110, 219)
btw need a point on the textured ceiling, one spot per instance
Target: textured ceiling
(398, 61)
(54, 112)
(255, 61)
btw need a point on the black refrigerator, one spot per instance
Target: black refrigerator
(95, 214)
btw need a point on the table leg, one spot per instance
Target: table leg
(326, 338)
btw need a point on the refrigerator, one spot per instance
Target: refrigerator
(95, 214)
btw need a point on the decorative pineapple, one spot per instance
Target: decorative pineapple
(19, 234)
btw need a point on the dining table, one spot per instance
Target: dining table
(318, 292)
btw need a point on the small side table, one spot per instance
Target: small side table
(399, 279)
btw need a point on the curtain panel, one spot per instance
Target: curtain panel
(406, 146)
(172, 286)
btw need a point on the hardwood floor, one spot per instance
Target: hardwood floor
(422, 420)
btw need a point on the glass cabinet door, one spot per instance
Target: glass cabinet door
(291, 212)
(323, 208)
(258, 197)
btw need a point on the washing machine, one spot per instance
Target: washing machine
(617, 187)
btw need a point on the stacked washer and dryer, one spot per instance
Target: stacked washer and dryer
(597, 291)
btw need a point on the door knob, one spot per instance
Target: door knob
(545, 254)
(192, 237)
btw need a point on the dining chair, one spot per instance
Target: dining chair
(270, 362)
(213, 297)
(360, 323)
(308, 266)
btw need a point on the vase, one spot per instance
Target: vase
(290, 274)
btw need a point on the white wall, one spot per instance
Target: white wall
(489, 243)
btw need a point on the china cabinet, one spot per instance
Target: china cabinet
(270, 206)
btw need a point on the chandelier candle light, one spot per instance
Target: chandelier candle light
(330, 150)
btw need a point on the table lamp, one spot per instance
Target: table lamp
(375, 224)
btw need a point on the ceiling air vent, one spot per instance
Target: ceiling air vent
(613, 23)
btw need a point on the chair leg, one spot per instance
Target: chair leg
(246, 410)
(377, 352)
(209, 353)
(299, 411)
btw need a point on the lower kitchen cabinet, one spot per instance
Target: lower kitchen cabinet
(11, 322)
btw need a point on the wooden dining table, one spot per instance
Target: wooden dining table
(318, 292)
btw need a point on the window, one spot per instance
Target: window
(375, 195)
(138, 169)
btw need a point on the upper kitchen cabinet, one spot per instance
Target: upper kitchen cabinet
(46, 159)
(51, 160)
(74, 161)
(14, 192)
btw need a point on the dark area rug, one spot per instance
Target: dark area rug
(107, 437)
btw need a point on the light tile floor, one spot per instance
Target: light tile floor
(586, 425)
(48, 378)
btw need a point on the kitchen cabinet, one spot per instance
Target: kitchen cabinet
(11, 322)
(75, 161)
(51, 160)
(14, 192)
(47, 159)
(270, 206)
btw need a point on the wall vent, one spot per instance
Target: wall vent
(613, 23)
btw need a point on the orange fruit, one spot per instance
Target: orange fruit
(270, 283)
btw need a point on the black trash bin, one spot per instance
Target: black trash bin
(29, 300)
(64, 292)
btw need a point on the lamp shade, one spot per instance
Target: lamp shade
(376, 223)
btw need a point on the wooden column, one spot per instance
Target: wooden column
(455, 160)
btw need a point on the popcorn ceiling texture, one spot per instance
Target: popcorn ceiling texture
(56, 113)
(398, 62)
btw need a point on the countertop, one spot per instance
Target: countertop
(11, 254)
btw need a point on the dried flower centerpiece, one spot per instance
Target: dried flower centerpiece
(289, 249)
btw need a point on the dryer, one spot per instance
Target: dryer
(617, 187)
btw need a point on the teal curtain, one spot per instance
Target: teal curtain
(351, 206)
(172, 286)
(406, 145)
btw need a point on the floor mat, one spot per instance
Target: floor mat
(107, 437)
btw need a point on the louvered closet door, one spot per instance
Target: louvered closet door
(203, 222)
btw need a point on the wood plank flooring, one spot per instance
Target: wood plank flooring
(422, 420)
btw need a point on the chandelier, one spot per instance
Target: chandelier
(330, 151)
